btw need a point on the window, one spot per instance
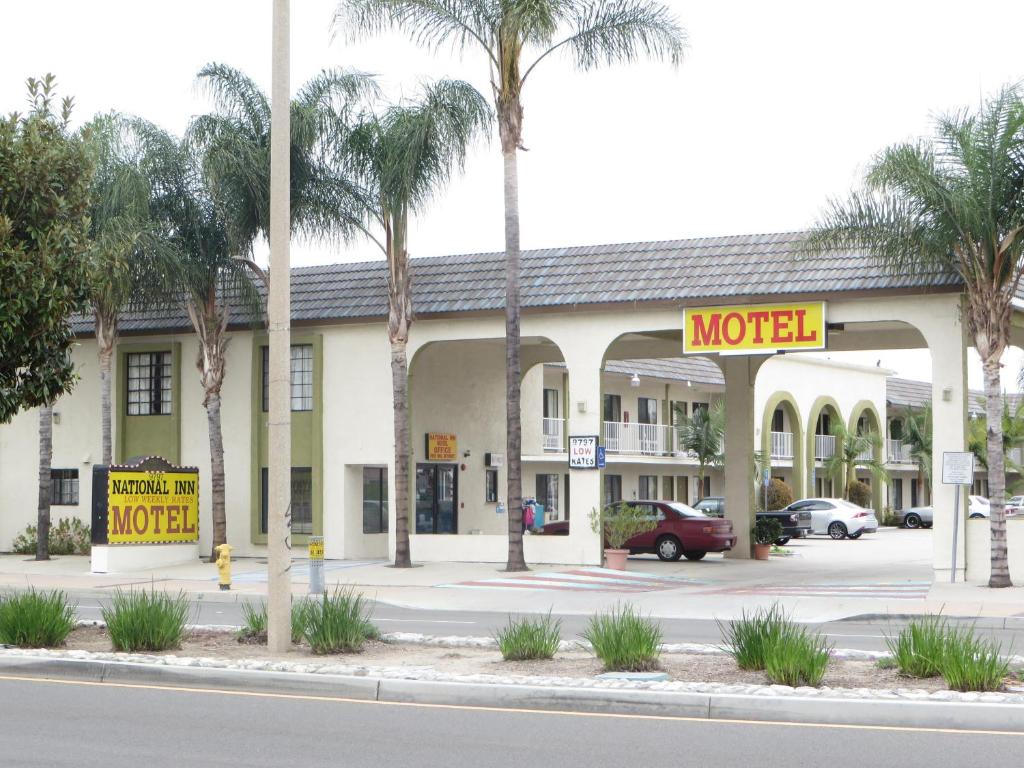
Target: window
(490, 486)
(896, 429)
(547, 495)
(550, 403)
(824, 426)
(375, 500)
(777, 421)
(668, 487)
(913, 493)
(707, 486)
(699, 407)
(648, 486)
(64, 487)
(302, 499)
(612, 408)
(149, 383)
(677, 412)
(301, 377)
(683, 488)
(647, 410)
(612, 489)
(897, 494)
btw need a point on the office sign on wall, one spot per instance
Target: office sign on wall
(757, 329)
(583, 452)
(441, 446)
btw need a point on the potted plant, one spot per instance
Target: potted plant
(766, 531)
(617, 526)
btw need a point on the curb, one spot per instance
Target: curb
(963, 716)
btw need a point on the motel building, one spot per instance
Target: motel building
(616, 339)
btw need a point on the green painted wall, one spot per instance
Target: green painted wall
(158, 435)
(307, 437)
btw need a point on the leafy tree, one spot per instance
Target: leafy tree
(1012, 433)
(515, 36)
(402, 158)
(701, 435)
(208, 280)
(44, 195)
(917, 435)
(854, 450)
(954, 204)
(129, 262)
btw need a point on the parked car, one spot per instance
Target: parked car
(978, 506)
(838, 518)
(1015, 506)
(681, 531)
(795, 525)
(917, 517)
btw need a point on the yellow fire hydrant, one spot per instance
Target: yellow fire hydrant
(224, 564)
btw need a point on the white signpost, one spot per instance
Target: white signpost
(583, 452)
(957, 470)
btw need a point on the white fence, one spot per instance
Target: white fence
(824, 446)
(552, 435)
(782, 445)
(643, 439)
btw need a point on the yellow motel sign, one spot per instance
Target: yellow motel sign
(152, 507)
(754, 329)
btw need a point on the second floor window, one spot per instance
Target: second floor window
(301, 377)
(149, 383)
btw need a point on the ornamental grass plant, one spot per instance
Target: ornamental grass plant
(34, 619)
(339, 623)
(749, 638)
(624, 640)
(972, 663)
(254, 621)
(146, 621)
(767, 640)
(918, 649)
(525, 639)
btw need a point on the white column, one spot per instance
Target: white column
(740, 373)
(949, 433)
(585, 485)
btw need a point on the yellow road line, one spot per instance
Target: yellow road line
(473, 708)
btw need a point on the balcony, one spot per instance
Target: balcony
(640, 439)
(897, 453)
(782, 445)
(551, 435)
(824, 447)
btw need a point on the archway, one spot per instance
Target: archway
(782, 438)
(821, 445)
(864, 418)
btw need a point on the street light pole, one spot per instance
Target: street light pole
(279, 615)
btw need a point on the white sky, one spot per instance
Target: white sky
(776, 107)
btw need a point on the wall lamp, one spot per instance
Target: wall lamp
(635, 381)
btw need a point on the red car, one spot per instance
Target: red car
(681, 531)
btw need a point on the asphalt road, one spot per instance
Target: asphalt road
(53, 724)
(864, 634)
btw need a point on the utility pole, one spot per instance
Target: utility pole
(279, 516)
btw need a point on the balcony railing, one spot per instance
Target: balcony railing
(552, 435)
(898, 453)
(643, 439)
(782, 445)
(824, 446)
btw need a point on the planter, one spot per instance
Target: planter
(762, 551)
(615, 559)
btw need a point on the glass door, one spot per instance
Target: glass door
(437, 498)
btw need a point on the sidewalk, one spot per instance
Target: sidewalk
(821, 581)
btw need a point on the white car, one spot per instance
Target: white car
(978, 506)
(837, 518)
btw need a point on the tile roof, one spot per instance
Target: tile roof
(915, 394)
(669, 271)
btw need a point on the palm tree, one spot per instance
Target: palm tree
(854, 450)
(1012, 433)
(954, 204)
(210, 282)
(128, 259)
(590, 33)
(402, 158)
(701, 435)
(234, 144)
(917, 435)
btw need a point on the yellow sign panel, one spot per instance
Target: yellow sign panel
(754, 329)
(152, 507)
(440, 446)
(316, 549)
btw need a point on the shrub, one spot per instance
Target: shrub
(890, 518)
(748, 639)
(620, 524)
(526, 638)
(972, 663)
(146, 621)
(798, 656)
(780, 495)
(254, 629)
(767, 530)
(36, 619)
(859, 493)
(624, 640)
(918, 649)
(68, 536)
(338, 623)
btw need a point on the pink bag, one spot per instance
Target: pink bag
(528, 515)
